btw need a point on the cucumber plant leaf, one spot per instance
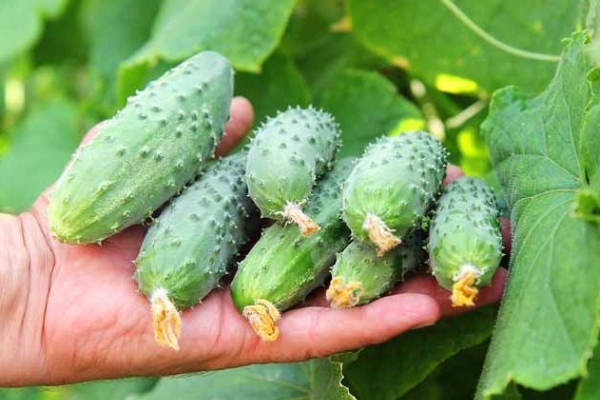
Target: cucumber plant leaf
(367, 105)
(244, 31)
(21, 22)
(389, 370)
(38, 150)
(416, 34)
(278, 86)
(548, 322)
(318, 379)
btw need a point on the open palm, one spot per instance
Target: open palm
(87, 320)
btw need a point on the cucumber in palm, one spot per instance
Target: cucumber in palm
(285, 159)
(359, 276)
(465, 245)
(190, 245)
(391, 188)
(146, 153)
(283, 266)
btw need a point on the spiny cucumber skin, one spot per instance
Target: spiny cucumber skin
(189, 247)
(283, 266)
(377, 275)
(146, 153)
(287, 155)
(396, 179)
(465, 231)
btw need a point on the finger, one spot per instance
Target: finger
(316, 332)
(238, 126)
(427, 285)
(452, 173)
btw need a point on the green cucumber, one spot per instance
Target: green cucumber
(189, 247)
(283, 266)
(359, 276)
(465, 245)
(146, 153)
(287, 155)
(391, 188)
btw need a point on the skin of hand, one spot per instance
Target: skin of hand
(73, 313)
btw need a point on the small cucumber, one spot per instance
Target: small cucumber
(391, 188)
(190, 245)
(146, 153)
(465, 245)
(287, 155)
(359, 276)
(283, 266)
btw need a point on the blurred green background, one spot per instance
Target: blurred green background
(379, 66)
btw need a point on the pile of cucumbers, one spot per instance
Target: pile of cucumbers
(365, 221)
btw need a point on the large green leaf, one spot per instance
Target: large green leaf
(366, 105)
(278, 86)
(38, 151)
(589, 387)
(21, 22)
(548, 322)
(426, 37)
(389, 370)
(117, 28)
(245, 31)
(312, 380)
(120, 389)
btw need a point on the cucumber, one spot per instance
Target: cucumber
(359, 276)
(146, 153)
(190, 245)
(283, 266)
(288, 154)
(465, 244)
(391, 187)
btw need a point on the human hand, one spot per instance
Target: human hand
(73, 313)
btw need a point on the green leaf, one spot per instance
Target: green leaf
(367, 105)
(245, 31)
(389, 370)
(117, 28)
(548, 322)
(119, 389)
(589, 387)
(312, 380)
(21, 22)
(278, 86)
(425, 37)
(38, 151)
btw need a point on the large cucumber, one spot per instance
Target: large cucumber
(465, 245)
(392, 186)
(287, 155)
(190, 245)
(283, 266)
(146, 153)
(359, 276)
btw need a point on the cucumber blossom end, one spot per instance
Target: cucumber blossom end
(166, 318)
(263, 316)
(293, 213)
(379, 233)
(342, 295)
